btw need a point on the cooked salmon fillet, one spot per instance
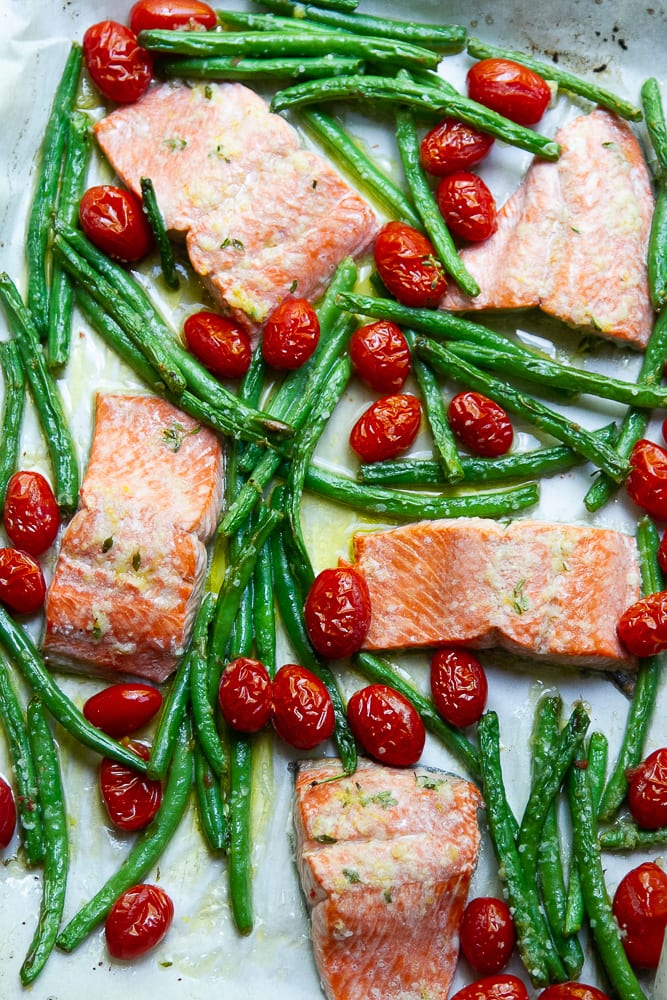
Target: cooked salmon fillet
(385, 857)
(264, 218)
(545, 590)
(572, 239)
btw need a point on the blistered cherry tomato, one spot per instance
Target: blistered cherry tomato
(245, 695)
(131, 798)
(459, 686)
(119, 67)
(643, 627)
(467, 206)
(113, 219)
(171, 15)
(121, 709)
(22, 586)
(7, 813)
(647, 482)
(487, 934)
(512, 90)
(302, 711)
(408, 266)
(386, 428)
(572, 991)
(480, 424)
(137, 921)
(30, 515)
(380, 355)
(453, 145)
(386, 725)
(219, 343)
(647, 791)
(291, 334)
(500, 987)
(338, 612)
(640, 908)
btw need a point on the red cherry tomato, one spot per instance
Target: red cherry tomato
(302, 711)
(467, 206)
(647, 482)
(386, 428)
(386, 725)
(113, 219)
(137, 921)
(480, 424)
(408, 266)
(512, 90)
(501, 987)
(171, 15)
(459, 687)
(453, 145)
(219, 343)
(120, 69)
(487, 934)
(380, 355)
(121, 709)
(640, 908)
(572, 991)
(643, 627)
(131, 798)
(31, 515)
(647, 791)
(7, 813)
(22, 586)
(338, 612)
(245, 695)
(291, 334)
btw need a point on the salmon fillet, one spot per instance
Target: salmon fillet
(385, 858)
(544, 590)
(572, 239)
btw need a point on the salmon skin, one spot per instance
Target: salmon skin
(551, 591)
(131, 567)
(263, 219)
(572, 239)
(385, 857)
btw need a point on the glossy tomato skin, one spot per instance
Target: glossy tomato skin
(387, 428)
(459, 687)
(138, 921)
(121, 709)
(640, 908)
(480, 424)
(22, 585)
(302, 712)
(337, 612)
(7, 813)
(572, 991)
(487, 934)
(512, 90)
(386, 725)
(244, 695)
(500, 987)
(113, 219)
(647, 481)
(120, 69)
(453, 145)
(221, 345)
(642, 628)
(647, 791)
(131, 798)
(291, 334)
(171, 15)
(30, 514)
(380, 355)
(408, 266)
(467, 206)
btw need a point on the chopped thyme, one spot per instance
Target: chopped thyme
(175, 143)
(426, 781)
(229, 242)
(175, 434)
(324, 838)
(386, 895)
(136, 560)
(96, 629)
(294, 285)
(107, 544)
(220, 151)
(519, 599)
(351, 875)
(314, 184)
(208, 91)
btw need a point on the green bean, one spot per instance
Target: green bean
(450, 469)
(566, 81)
(654, 116)
(156, 222)
(269, 22)
(625, 835)
(46, 188)
(240, 888)
(657, 247)
(264, 619)
(341, 6)
(145, 851)
(56, 851)
(13, 406)
(23, 766)
(287, 68)
(210, 803)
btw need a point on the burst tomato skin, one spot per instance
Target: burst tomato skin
(113, 219)
(291, 334)
(408, 266)
(386, 725)
(244, 695)
(480, 424)
(31, 515)
(386, 428)
(171, 15)
(572, 991)
(131, 798)
(459, 687)
(647, 791)
(121, 709)
(22, 585)
(337, 612)
(453, 145)
(500, 987)
(380, 355)
(642, 628)
(467, 206)
(512, 90)
(120, 69)
(7, 813)
(640, 908)
(487, 934)
(302, 711)
(138, 921)
(647, 482)
(221, 345)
